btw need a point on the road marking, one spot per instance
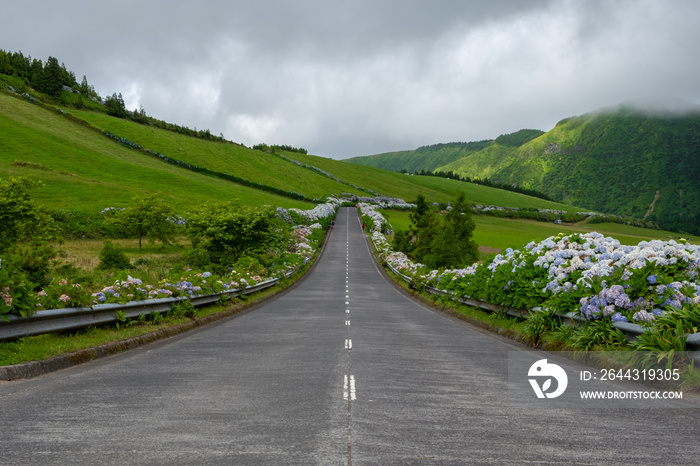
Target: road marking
(348, 344)
(347, 322)
(351, 392)
(347, 311)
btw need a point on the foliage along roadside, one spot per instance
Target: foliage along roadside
(252, 265)
(653, 284)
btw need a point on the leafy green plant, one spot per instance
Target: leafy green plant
(119, 317)
(16, 291)
(36, 261)
(562, 336)
(598, 334)
(155, 317)
(60, 293)
(20, 216)
(540, 323)
(183, 309)
(111, 257)
(230, 230)
(147, 217)
(670, 331)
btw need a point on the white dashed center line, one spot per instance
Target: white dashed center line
(349, 388)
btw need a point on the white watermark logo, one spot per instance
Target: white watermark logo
(547, 371)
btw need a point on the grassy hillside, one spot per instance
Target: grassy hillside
(433, 188)
(621, 160)
(613, 161)
(83, 169)
(253, 165)
(426, 158)
(431, 158)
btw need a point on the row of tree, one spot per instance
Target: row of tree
(277, 148)
(48, 78)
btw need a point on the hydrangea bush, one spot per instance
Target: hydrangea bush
(245, 273)
(18, 297)
(589, 274)
(16, 291)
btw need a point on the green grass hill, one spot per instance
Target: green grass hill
(621, 160)
(88, 160)
(82, 168)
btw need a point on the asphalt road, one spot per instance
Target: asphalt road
(344, 368)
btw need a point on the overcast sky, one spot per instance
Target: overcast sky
(363, 77)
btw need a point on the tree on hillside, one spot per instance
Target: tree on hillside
(36, 72)
(115, 106)
(20, 65)
(5, 63)
(51, 79)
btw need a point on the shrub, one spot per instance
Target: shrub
(35, 261)
(111, 257)
(16, 291)
(61, 293)
(539, 323)
(20, 217)
(228, 230)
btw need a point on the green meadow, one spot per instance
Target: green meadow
(434, 189)
(235, 159)
(82, 169)
(501, 233)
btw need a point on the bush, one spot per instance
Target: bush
(20, 216)
(61, 293)
(16, 291)
(35, 261)
(148, 217)
(228, 231)
(84, 225)
(111, 257)
(198, 258)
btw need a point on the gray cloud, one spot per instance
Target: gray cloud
(362, 77)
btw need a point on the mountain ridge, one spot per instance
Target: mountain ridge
(613, 159)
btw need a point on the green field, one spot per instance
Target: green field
(434, 189)
(253, 165)
(501, 233)
(83, 169)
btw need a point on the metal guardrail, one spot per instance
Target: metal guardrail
(57, 320)
(73, 318)
(631, 330)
